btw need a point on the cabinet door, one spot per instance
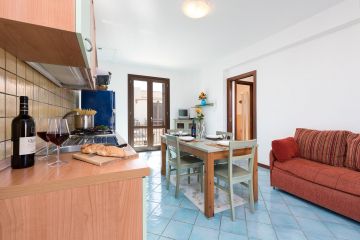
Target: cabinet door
(83, 29)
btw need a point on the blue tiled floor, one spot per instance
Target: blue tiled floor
(278, 215)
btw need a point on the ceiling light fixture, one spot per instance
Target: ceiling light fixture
(196, 8)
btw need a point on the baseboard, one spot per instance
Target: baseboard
(263, 165)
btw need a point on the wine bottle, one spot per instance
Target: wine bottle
(193, 129)
(23, 137)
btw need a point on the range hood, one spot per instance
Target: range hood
(65, 76)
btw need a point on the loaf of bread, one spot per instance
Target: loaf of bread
(91, 148)
(111, 151)
(102, 150)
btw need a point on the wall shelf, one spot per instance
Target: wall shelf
(206, 105)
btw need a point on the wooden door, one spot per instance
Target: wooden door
(149, 111)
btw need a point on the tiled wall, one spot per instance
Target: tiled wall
(45, 98)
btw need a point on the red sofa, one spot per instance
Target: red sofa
(324, 169)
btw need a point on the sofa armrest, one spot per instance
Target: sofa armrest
(272, 159)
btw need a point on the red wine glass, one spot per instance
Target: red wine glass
(58, 132)
(42, 127)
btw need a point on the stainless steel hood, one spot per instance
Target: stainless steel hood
(65, 76)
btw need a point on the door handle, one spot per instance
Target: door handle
(91, 46)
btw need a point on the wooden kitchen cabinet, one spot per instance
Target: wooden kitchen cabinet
(50, 32)
(77, 201)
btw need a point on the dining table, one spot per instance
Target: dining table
(209, 151)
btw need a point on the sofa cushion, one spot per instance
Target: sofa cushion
(285, 149)
(352, 159)
(339, 178)
(328, 147)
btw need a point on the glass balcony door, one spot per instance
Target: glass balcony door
(148, 111)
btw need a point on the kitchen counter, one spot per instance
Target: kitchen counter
(74, 201)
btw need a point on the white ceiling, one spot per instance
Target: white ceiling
(155, 32)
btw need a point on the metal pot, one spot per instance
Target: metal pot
(84, 121)
(81, 121)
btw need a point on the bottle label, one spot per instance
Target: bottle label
(27, 145)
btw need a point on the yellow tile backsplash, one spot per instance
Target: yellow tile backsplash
(2, 58)
(2, 80)
(10, 83)
(10, 62)
(46, 99)
(10, 106)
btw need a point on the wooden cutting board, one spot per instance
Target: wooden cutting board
(100, 160)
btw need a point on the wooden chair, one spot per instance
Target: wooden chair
(226, 135)
(232, 174)
(176, 162)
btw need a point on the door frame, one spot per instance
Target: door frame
(150, 128)
(229, 90)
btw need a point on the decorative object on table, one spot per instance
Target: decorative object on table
(193, 128)
(57, 133)
(23, 137)
(225, 135)
(200, 123)
(223, 143)
(214, 137)
(202, 98)
(186, 138)
(42, 127)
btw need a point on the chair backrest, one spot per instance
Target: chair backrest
(173, 150)
(238, 145)
(176, 131)
(226, 135)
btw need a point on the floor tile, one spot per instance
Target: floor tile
(151, 236)
(284, 233)
(157, 225)
(257, 216)
(239, 212)
(165, 211)
(236, 227)
(201, 233)
(344, 232)
(283, 220)
(272, 197)
(305, 212)
(313, 226)
(279, 215)
(178, 230)
(171, 200)
(260, 231)
(213, 223)
(186, 203)
(231, 236)
(277, 207)
(186, 215)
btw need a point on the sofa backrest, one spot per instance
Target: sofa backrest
(352, 159)
(328, 147)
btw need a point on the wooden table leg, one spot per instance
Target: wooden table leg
(209, 185)
(255, 176)
(163, 159)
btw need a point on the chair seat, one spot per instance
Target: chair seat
(221, 170)
(188, 160)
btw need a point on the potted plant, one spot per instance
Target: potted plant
(202, 98)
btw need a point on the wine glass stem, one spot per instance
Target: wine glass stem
(58, 153)
(47, 149)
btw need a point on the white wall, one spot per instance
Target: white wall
(307, 76)
(183, 90)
